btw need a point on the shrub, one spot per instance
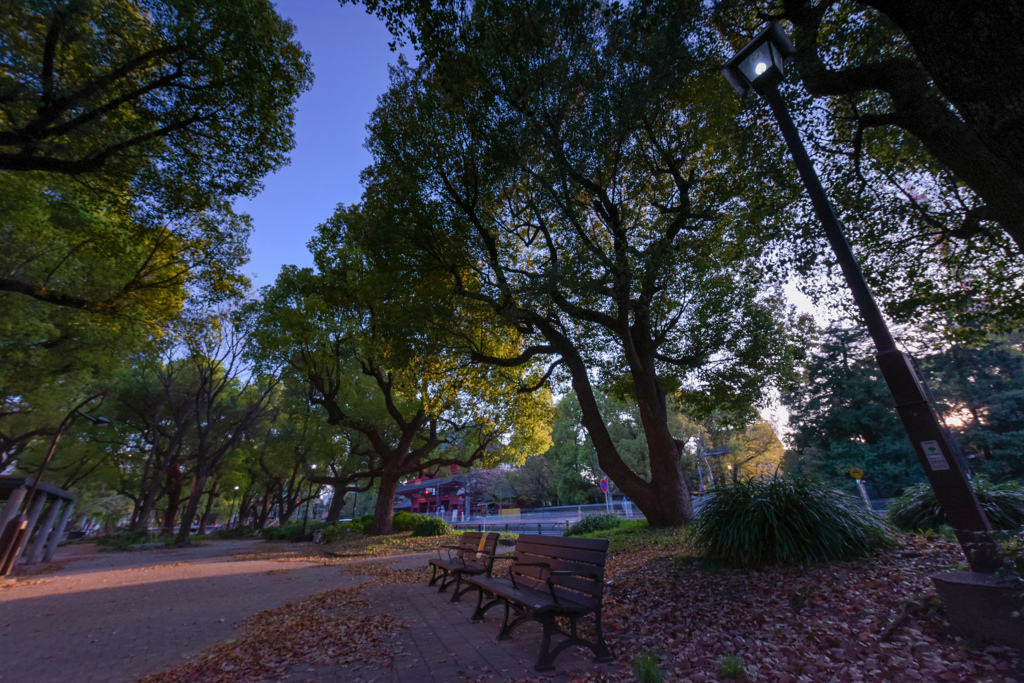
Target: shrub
(404, 521)
(235, 532)
(291, 531)
(779, 521)
(592, 523)
(647, 668)
(918, 508)
(432, 526)
(332, 532)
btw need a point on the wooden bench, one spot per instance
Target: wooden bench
(550, 577)
(473, 555)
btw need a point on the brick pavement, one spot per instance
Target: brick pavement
(441, 645)
(112, 617)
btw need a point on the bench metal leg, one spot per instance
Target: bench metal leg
(481, 608)
(435, 575)
(546, 658)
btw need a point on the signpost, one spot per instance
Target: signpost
(858, 474)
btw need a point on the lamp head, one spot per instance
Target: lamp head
(762, 61)
(314, 466)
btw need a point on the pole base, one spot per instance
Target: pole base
(983, 606)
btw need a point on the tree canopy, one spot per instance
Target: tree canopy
(571, 172)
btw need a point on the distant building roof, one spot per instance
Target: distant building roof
(457, 480)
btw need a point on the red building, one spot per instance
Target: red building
(426, 495)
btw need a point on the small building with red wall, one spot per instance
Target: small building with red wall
(427, 495)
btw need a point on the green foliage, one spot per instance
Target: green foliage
(543, 170)
(404, 521)
(918, 508)
(731, 667)
(592, 523)
(234, 532)
(292, 531)
(432, 526)
(785, 520)
(647, 667)
(843, 415)
(122, 540)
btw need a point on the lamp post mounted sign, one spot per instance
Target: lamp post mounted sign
(760, 67)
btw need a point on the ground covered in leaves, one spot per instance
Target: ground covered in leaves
(872, 620)
(868, 620)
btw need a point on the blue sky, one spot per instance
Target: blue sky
(350, 62)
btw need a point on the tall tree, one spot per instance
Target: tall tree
(405, 402)
(570, 171)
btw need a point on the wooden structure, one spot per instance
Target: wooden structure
(474, 555)
(550, 576)
(44, 531)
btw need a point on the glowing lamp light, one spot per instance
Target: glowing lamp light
(762, 62)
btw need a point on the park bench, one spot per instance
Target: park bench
(550, 577)
(473, 555)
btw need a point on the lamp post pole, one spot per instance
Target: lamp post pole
(759, 67)
(231, 512)
(305, 514)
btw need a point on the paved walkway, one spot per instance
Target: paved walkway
(441, 645)
(109, 617)
(112, 617)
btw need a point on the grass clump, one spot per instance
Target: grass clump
(731, 667)
(785, 521)
(592, 523)
(918, 507)
(647, 668)
(432, 526)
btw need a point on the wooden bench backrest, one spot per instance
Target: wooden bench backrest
(476, 548)
(585, 557)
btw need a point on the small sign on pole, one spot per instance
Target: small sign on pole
(856, 473)
(604, 485)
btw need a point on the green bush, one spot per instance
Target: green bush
(234, 532)
(781, 521)
(592, 523)
(404, 521)
(133, 540)
(432, 526)
(918, 508)
(332, 532)
(291, 531)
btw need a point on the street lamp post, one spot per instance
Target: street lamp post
(14, 533)
(760, 67)
(305, 514)
(231, 512)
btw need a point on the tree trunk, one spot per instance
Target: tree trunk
(664, 500)
(337, 505)
(261, 520)
(384, 511)
(210, 497)
(182, 540)
(173, 502)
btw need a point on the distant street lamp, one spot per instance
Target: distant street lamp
(14, 533)
(231, 514)
(305, 514)
(760, 67)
